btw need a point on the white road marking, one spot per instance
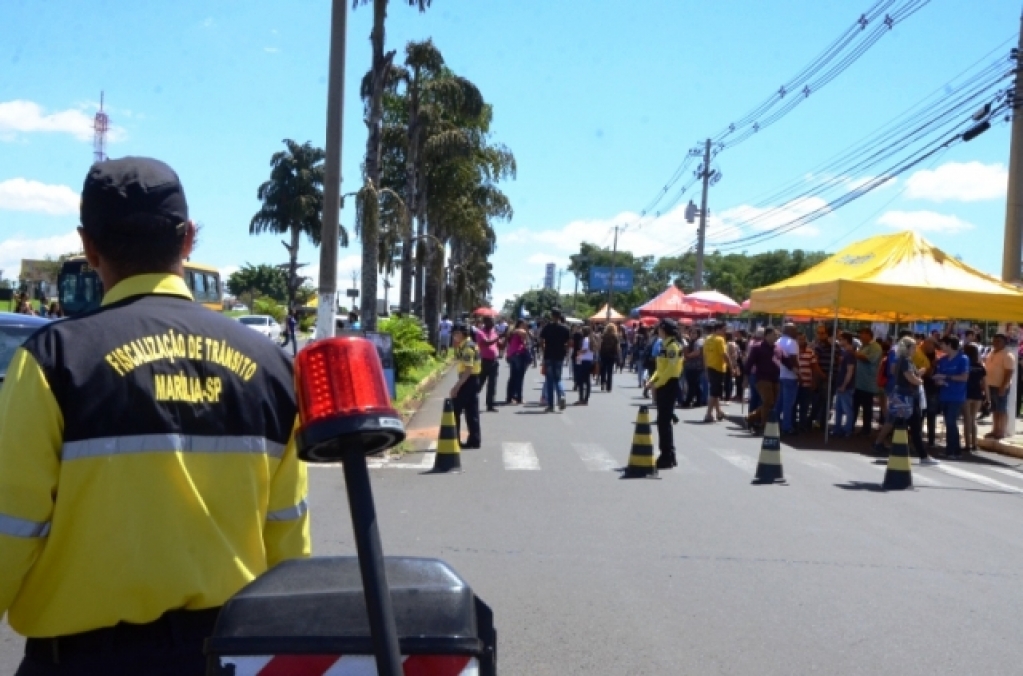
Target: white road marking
(1015, 474)
(978, 478)
(834, 470)
(519, 456)
(918, 478)
(596, 458)
(743, 462)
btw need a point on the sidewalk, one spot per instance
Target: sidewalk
(424, 426)
(1010, 446)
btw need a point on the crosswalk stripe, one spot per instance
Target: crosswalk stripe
(743, 462)
(519, 456)
(978, 478)
(918, 478)
(834, 470)
(595, 457)
(1015, 474)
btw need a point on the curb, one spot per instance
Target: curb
(415, 403)
(1001, 448)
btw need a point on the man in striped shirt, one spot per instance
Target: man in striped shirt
(809, 372)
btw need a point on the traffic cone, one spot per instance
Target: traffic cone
(898, 476)
(449, 453)
(641, 457)
(769, 465)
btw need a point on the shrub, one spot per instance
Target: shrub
(411, 349)
(307, 323)
(268, 306)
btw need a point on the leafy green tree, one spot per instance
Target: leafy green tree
(735, 275)
(265, 280)
(292, 204)
(373, 87)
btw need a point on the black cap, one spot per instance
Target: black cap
(555, 312)
(668, 325)
(116, 190)
(459, 327)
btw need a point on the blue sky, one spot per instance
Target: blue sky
(599, 101)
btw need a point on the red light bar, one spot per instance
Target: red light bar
(343, 400)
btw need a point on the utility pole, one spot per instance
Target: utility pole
(611, 280)
(1013, 247)
(326, 312)
(701, 233)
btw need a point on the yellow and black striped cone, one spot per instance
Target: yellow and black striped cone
(449, 453)
(641, 457)
(898, 476)
(769, 465)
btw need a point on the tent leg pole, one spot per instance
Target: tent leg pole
(831, 378)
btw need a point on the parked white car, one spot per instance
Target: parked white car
(266, 325)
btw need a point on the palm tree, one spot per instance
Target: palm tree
(373, 88)
(464, 203)
(293, 203)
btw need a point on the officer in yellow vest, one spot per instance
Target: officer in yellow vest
(666, 388)
(147, 462)
(465, 395)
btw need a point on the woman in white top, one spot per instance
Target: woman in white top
(583, 358)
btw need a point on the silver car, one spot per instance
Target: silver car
(265, 324)
(14, 330)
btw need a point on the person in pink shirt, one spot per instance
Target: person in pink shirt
(487, 339)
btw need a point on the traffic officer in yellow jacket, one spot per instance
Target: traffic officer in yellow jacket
(147, 463)
(666, 387)
(465, 395)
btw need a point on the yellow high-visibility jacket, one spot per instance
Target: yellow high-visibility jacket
(669, 362)
(147, 463)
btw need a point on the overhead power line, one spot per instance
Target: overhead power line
(878, 20)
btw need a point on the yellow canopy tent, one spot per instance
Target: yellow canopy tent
(892, 278)
(601, 315)
(314, 302)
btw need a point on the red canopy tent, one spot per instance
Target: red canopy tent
(671, 304)
(714, 301)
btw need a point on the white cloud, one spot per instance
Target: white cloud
(521, 254)
(766, 218)
(12, 250)
(27, 117)
(19, 194)
(958, 181)
(208, 22)
(227, 271)
(271, 50)
(924, 221)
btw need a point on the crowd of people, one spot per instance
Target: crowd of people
(48, 309)
(853, 383)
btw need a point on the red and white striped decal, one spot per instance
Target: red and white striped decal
(348, 665)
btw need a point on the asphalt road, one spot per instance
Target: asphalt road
(700, 572)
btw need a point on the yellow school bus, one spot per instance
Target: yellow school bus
(81, 290)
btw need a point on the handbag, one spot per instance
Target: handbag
(543, 369)
(901, 405)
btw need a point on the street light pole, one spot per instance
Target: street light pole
(701, 234)
(327, 309)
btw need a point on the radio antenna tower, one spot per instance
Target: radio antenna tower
(100, 124)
